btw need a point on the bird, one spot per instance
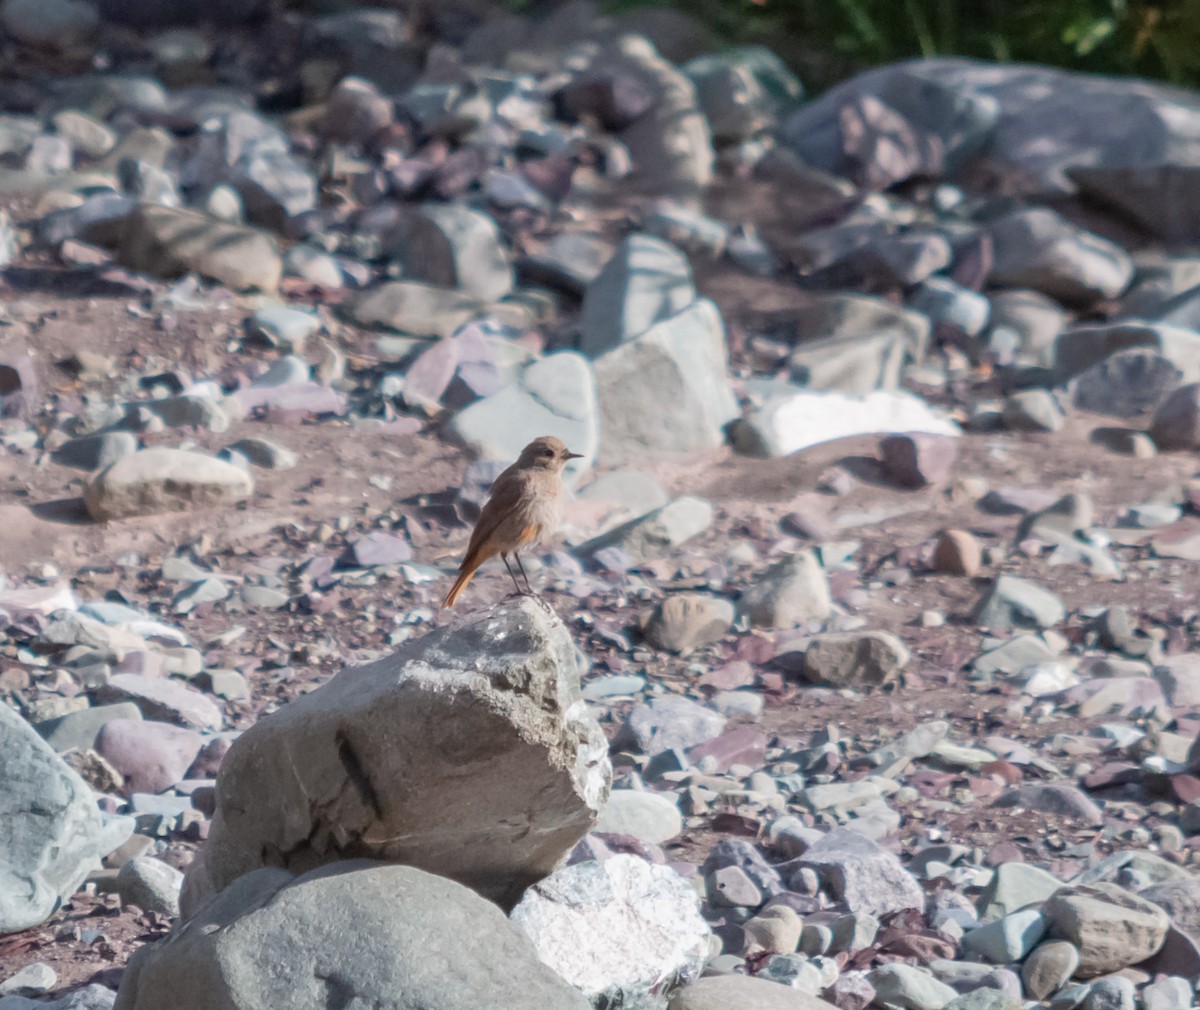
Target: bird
(523, 508)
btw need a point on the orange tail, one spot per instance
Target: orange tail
(464, 576)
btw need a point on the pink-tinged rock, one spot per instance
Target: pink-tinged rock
(742, 746)
(379, 548)
(734, 674)
(167, 700)
(851, 992)
(917, 459)
(148, 664)
(152, 756)
(1124, 695)
(301, 397)
(1179, 955)
(881, 147)
(427, 377)
(30, 600)
(1052, 798)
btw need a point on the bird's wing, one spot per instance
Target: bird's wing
(506, 495)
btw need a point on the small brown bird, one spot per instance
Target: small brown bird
(523, 508)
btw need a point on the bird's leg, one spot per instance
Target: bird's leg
(529, 589)
(516, 584)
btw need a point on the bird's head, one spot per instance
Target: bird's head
(546, 453)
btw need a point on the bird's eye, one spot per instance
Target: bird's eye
(547, 452)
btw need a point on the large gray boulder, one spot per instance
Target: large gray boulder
(625, 932)
(666, 392)
(51, 832)
(353, 934)
(468, 753)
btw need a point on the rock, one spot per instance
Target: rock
(164, 480)
(645, 282)
(380, 548)
(266, 454)
(281, 326)
(858, 872)
(355, 112)
(159, 698)
(570, 261)
(1181, 901)
(1126, 384)
(910, 988)
(793, 419)
(1049, 968)
(790, 593)
(776, 929)
(657, 533)
(665, 393)
(1015, 886)
(554, 395)
(497, 695)
(1061, 519)
(77, 730)
(951, 306)
(651, 818)
(1008, 939)
(51, 832)
(616, 100)
(1170, 993)
(18, 387)
(1052, 798)
(453, 246)
(93, 452)
(731, 887)
(423, 310)
(1157, 197)
(854, 659)
(1111, 927)
(1037, 248)
(1032, 410)
(740, 992)
(33, 979)
(169, 242)
(668, 722)
(1139, 356)
(1024, 327)
(743, 91)
(1176, 423)
(1016, 602)
(150, 884)
(58, 24)
(918, 460)
(151, 756)
(957, 553)
(1179, 677)
(243, 947)
(624, 932)
(684, 622)
(1113, 993)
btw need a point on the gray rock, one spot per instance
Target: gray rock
(58, 24)
(1111, 927)
(1032, 410)
(554, 395)
(51, 832)
(453, 246)
(855, 659)
(684, 622)
(93, 452)
(910, 988)
(1170, 993)
(731, 887)
(1176, 423)
(1016, 602)
(1024, 327)
(951, 306)
(743, 91)
(657, 533)
(1158, 197)
(1113, 993)
(652, 818)
(379, 935)
(570, 261)
(624, 932)
(1181, 900)
(32, 979)
(167, 700)
(164, 480)
(645, 282)
(169, 242)
(1052, 798)
(860, 873)
(1008, 939)
(201, 410)
(1049, 968)
(423, 310)
(494, 693)
(1037, 248)
(669, 722)
(917, 460)
(1127, 384)
(307, 262)
(90, 997)
(741, 992)
(1086, 347)
(284, 327)
(791, 592)
(261, 452)
(1015, 886)
(77, 730)
(150, 884)
(665, 393)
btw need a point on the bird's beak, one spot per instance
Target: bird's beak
(574, 455)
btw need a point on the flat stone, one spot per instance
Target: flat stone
(1049, 968)
(151, 756)
(1111, 927)
(905, 986)
(423, 310)
(669, 722)
(1052, 798)
(93, 452)
(652, 818)
(1016, 602)
(727, 992)
(167, 700)
(77, 730)
(684, 622)
(164, 480)
(1008, 939)
(1015, 886)
(861, 874)
(657, 533)
(855, 659)
(791, 592)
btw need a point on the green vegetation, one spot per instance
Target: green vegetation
(825, 38)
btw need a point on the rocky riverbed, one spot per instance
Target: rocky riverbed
(867, 673)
